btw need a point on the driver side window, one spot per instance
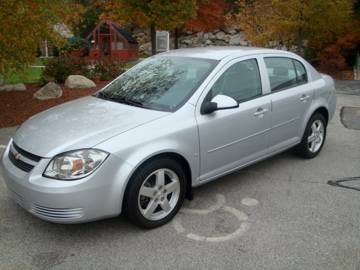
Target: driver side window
(241, 81)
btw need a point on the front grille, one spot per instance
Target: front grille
(19, 163)
(26, 154)
(58, 213)
(22, 159)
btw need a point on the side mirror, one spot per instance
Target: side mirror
(219, 102)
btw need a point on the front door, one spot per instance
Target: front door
(234, 137)
(105, 48)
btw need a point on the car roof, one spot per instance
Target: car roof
(218, 53)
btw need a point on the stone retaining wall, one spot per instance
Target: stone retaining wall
(229, 36)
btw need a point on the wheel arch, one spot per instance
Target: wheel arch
(303, 147)
(167, 154)
(316, 108)
(323, 111)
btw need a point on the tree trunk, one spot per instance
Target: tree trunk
(176, 38)
(153, 39)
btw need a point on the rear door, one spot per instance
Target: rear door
(291, 96)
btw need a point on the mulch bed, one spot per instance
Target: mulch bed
(16, 107)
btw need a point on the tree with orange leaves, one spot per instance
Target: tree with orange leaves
(210, 15)
(334, 57)
(294, 23)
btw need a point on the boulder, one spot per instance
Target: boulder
(145, 48)
(13, 87)
(244, 43)
(211, 36)
(235, 40)
(220, 35)
(78, 81)
(230, 30)
(187, 41)
(220, 43)
(243, 40)
(49, 91)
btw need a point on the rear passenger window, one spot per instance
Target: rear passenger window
(300, 72)
(284, 73)
(241, 81)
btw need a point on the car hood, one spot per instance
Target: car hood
(81, 123)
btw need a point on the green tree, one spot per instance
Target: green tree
(89, 17)
(24, 24)
(155, 14)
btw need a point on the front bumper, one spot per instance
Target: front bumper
(97, 196)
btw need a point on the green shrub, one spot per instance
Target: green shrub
(76, 44)
(108, 69)
(59, 68)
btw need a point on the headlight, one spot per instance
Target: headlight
(76, 164)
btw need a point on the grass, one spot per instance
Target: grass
(41, 61)
(30, 75)
(33, 73)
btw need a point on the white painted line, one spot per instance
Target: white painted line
(249, 202)
(240, 231)
(241, 216)
(178, 226)
(219, 205)
(2, 146)
(220, 202)
(243, 226)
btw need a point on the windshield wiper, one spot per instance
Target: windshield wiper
(127, 101)
(119, 99)
(102, 95)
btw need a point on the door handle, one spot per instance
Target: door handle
(304, 98)
(260, 111)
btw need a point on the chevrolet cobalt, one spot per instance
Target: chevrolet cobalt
(172, 122)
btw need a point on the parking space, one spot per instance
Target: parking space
(278, 214)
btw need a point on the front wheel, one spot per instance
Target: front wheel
(313, 138)
(155, 193)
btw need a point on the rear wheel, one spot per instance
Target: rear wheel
(155, 193)
(314, 137)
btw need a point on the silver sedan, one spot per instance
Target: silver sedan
(173, 122)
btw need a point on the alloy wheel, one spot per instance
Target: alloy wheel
(316, 137)
(159, 194)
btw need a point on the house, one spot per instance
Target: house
(46, 48)
(108, 39)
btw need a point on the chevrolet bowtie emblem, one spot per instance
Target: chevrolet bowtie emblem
(17, 156)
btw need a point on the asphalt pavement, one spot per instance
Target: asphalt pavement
(278, 214)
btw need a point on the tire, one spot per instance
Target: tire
(311, 147)
(149, 203)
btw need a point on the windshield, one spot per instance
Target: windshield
(160, 83)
